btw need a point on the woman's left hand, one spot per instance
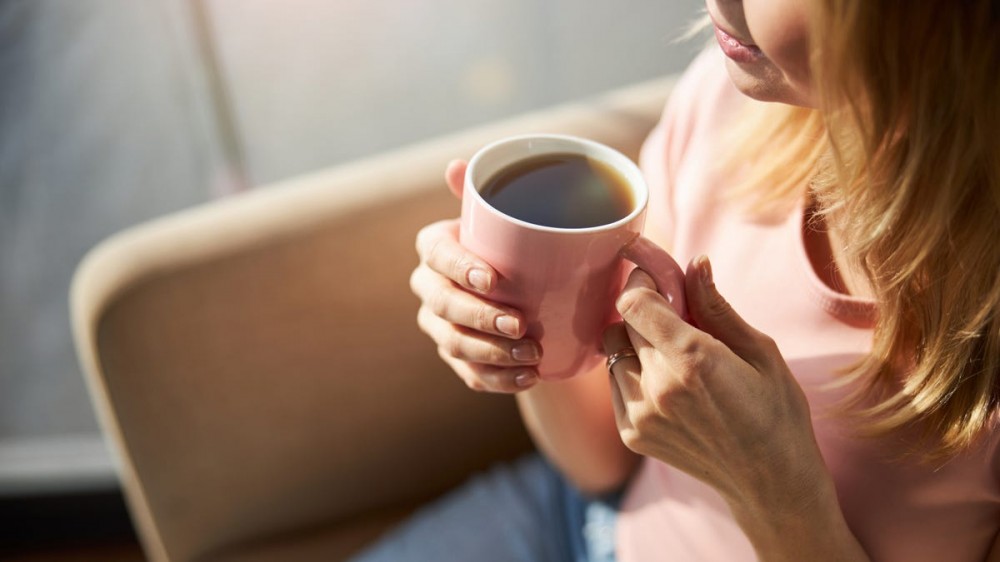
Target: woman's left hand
(714, 399)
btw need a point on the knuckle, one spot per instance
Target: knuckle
(415, 280)
(688, 344)
(438, 302)
(475, 384)
(434, 251)
(430, 238)
(771, 352)
(768, 343)
(423, 320)
(459, 266)
(498, 355)
(484, 319)
(631, 438)
(694, 363)
(425, 240)
(631, 301)
(689, 378)
(452, 345)
(719, 307)
(418, 242)
(643, 424)
(626, 302)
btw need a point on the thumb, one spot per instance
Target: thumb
(714, 315)
(665, 272)
(454, 175)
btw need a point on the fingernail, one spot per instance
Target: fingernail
(508, 325)
(705, 268)
(525, 379)
(479, 279)
(524, 352)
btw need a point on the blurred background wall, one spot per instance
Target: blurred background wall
(113, 112)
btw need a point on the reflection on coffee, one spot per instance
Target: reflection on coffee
(560, 191)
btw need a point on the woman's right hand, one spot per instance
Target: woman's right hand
(482, 341)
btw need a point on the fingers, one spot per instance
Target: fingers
(462, 308)
(438, 247)
(484, 362)
(648, 312)
(477, 347)
(454, 175)
(667, 275)
(626, 390)
(714, 315)
(486, 378)
(616, 340)
(481, 341)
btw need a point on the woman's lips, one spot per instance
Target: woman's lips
(735, 50)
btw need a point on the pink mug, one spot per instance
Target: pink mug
(564, 280)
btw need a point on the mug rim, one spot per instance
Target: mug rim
(603, 152)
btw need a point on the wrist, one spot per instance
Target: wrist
(806, 523)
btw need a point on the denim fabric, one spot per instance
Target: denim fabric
(524, 511)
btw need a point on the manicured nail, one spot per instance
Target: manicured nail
(705, 268)
(525, 379)
(508, 325)
(524, 352)
(480, 280)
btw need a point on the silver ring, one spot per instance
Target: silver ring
(617, 356)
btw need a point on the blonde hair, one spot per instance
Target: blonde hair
(902, 152)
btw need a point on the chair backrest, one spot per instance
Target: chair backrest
(255, 362)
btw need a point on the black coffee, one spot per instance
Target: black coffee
(560, 191)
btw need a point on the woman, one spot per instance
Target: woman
(842, 401)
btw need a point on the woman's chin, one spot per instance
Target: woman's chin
(762, 81)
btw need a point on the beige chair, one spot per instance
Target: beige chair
(256, 365)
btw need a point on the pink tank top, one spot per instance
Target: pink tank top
(900, 510)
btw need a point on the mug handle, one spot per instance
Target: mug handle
(669, 276)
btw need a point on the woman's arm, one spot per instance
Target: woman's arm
(572, 422)
(808, 527)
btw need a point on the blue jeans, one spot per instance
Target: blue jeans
(524, 511)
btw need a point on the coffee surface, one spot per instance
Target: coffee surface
(560, 191)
